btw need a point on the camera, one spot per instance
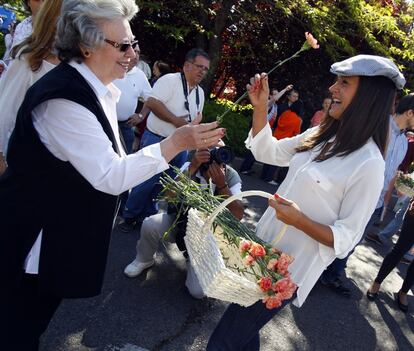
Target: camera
(223, 154)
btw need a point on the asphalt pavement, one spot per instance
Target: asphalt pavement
(155, 312)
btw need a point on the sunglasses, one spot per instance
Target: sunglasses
(123, 47)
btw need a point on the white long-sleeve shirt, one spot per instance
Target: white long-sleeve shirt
(14, 84)
(340, 192)
(72, 133)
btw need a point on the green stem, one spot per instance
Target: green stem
(278, 64)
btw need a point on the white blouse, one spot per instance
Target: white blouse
(72, 133)
(340, 192)
(14, 84)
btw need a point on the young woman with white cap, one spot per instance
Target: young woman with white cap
(335, 176)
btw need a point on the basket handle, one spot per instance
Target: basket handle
(209, 222)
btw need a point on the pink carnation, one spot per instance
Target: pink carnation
(265, 283)
(311, 40)
(248, 260)
(244, 245)
(273, 301)
(257, 250)
(283, 263)
(272, 265)
(285, 287)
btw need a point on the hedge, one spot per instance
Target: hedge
(237, 121)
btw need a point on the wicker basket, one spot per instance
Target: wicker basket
(203, 246)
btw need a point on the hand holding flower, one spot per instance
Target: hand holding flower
(286, 211)
(258, 91)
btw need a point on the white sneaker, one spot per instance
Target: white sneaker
(135, 268)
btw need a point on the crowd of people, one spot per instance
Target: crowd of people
(86, 132)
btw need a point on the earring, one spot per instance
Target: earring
(87, 54)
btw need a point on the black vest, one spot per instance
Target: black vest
(39, 191)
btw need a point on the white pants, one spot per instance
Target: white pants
(152, 231)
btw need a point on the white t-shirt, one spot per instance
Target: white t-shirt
(169, 90)
(340, 192)
(135, 85)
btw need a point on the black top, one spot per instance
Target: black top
(39, 191)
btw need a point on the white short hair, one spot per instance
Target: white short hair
(79, 24)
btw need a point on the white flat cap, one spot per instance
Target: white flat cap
(369, 65)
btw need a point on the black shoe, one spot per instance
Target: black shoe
(374, 238)
(127, 226)
(372, 296)
(337, 287)
(401, 306)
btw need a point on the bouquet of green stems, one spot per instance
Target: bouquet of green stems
(267, 265)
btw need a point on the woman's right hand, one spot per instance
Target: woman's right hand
(258, 90)
(190, 137)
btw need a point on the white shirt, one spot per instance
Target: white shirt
(72, 133)
(169, 90)
(340, 192)
(13, 87)
(135, 85)
(144, 67)
(23, 30)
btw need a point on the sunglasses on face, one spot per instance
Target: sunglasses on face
(123, 47)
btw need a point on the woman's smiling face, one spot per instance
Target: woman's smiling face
(343, 91)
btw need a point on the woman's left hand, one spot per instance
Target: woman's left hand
(286, 211)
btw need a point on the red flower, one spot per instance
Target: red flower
(283, 263)
(265, 283)
(257, 250)
(273, 301)
(244, 245)
(285, 287)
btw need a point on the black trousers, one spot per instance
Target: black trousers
(27, 316)
(404, 243)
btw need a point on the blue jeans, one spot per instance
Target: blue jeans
(268, 172)
(238, 328)
(335, 270)
(128, 135)
(140, 203)
(395, 224)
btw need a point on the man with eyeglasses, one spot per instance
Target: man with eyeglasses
(133, 86)
(176, 100)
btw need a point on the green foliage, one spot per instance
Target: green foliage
(237, 123)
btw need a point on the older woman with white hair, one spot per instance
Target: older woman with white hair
(58, 196)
